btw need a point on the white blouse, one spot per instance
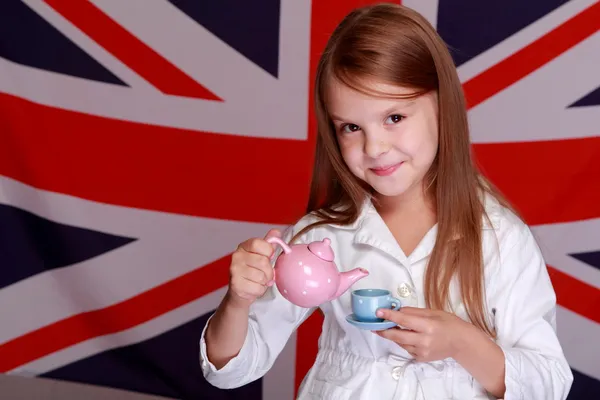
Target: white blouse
(355, 364)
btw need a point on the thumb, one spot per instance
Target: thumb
(383, 313)
(273, 233)
(390, 315)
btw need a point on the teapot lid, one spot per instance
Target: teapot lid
(322, 250)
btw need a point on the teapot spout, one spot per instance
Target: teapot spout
(347, 279)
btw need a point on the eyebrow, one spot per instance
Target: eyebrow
(386, 112)
(336, 118)
(404, 105)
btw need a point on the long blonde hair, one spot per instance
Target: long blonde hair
(396, 45)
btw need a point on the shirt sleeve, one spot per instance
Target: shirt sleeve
(524, 304)
(272, 321)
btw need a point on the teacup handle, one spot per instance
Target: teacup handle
(396, 304)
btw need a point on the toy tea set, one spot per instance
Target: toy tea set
(307, 276)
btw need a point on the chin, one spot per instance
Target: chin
(389, 191)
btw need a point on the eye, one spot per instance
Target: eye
(348, 128)
(394, 119)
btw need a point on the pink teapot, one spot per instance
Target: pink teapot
(307, 276)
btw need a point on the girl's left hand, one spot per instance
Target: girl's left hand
(430, 335)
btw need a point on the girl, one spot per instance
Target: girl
(396, 191)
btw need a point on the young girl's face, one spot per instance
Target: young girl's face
(388, 143)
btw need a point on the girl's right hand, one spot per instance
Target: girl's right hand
(251, 272)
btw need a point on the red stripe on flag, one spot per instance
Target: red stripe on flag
(153, 167)
(533, 56)
(130, 50)
(576, 295)
(547, 181)
(116, 318)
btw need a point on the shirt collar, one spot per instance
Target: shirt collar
(371, 230)
(492, 207)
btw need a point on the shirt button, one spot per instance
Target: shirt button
(404, 290)
(397, 373)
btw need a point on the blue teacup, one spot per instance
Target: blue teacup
(366, 302)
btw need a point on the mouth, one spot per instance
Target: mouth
(386, 170)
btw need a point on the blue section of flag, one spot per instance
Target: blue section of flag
(166, 365)
(31, 40)
(584, 387)
(591, 258)
(470, 27)
(590, 99)
(249, 27)
(30, 244)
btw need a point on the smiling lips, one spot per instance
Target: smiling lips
(386, 170)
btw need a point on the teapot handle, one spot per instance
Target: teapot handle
(284, 246)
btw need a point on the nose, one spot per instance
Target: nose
(376, 145)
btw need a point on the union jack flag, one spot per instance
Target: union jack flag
(141, 141)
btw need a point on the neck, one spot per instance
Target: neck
(411, 202)
(408, 217)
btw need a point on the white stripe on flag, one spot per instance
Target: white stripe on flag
(168, 246)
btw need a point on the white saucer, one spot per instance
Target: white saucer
(370, 326)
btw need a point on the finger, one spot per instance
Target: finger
(257, 246)
(253, 267)
(413, 322)
(423, 312)
(243, 261)
(401, 336)
(246, 289)
(412, 350)
(255, 275)
(260, 263)
(254, 289)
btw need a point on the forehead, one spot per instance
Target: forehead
(343, 100)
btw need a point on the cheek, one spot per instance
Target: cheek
(352, 154)
(410, 144)
(351, 149)
(427, 145)
(420, 146)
